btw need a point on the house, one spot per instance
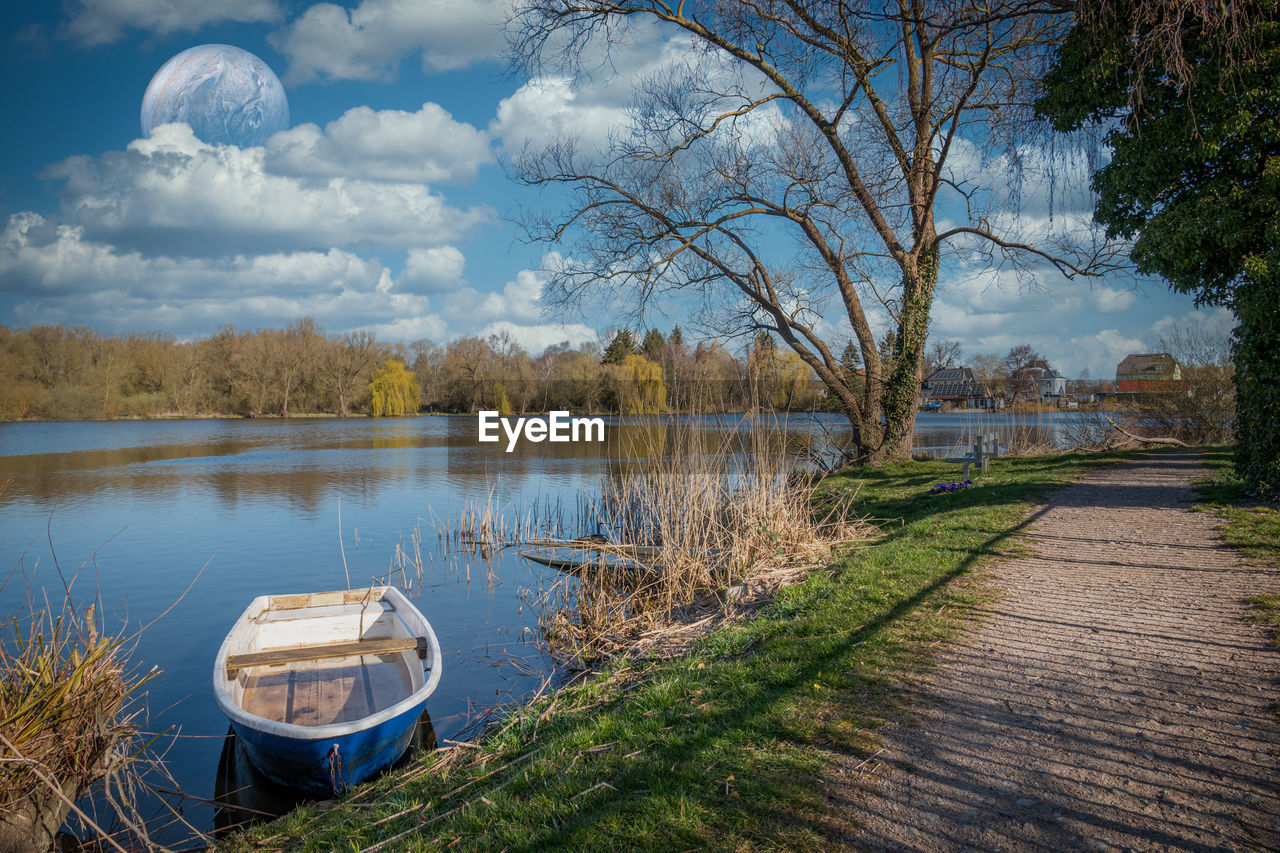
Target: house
(1051, 383)
(1149, 373)
(958, 387)
(1036, 382)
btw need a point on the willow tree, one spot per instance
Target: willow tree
(393, 390)
(637, 385)
(789, 171)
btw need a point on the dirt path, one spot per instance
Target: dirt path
(1115, 698)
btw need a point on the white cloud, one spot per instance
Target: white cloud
(538, 337)
(1105, 300)
(368, 42)
(62, 278)
(548, 108)
(39, 259)
(382, 145)
(1031, 181)
(95, 22)
(429, 326)
(516, 309)
(519, 299)
(1100, 352)
(57, 276)
(599, 101)
(432, 270)
(173, 194)
(1216, 323)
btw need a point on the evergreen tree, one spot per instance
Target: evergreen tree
(889, 346)
(851, 360)
(622, 345)
(653, 345)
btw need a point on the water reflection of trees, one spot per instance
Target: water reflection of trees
(234, 471)
(302, 464)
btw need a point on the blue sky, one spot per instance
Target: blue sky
(384, 206)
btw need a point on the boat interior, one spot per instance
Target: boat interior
(338, 691)
(302, 660)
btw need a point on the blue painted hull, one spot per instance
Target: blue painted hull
(326, 767)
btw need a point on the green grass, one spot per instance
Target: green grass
(725, 747)
(1248, 525)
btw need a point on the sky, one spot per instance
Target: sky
(384, 205)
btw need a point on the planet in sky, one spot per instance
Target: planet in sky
(227, 95)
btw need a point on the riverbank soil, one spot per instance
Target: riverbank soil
(1115, 696)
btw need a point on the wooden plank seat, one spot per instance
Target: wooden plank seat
(323, 651)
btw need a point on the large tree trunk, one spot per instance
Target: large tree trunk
(901, 395)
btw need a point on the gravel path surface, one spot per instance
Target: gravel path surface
(1114, 698)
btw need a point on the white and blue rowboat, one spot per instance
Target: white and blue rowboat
(324, 689)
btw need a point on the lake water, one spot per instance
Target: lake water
(141, 510)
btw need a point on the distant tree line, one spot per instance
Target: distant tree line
(52, 372)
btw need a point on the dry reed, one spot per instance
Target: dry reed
(69, 720)
(694, 534)
(1021, 433)
(682, 536)
(66, 722)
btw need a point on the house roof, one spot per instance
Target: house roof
(950, 374)
(1040, 373)
(954, 382)
(957, 389)
(1147, 362)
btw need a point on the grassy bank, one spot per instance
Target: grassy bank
(1251, 526)
(722, 747)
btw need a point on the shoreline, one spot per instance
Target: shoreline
(1039, 409)
(723, 743)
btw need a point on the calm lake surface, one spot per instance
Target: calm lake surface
(141, 510)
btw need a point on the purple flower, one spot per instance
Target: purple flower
(942, 488)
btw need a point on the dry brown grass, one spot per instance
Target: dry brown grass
(698, 535)
(66, 722)
(69, 714)
(1030, 436)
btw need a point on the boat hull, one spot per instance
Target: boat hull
(325, 767)
(285, 676)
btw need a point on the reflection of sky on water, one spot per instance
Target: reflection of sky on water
(138, 507)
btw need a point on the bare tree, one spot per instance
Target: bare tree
(940, 354)
(514, 369)
(469, 366)
(348, 361)
(544, 369)
(1023, 366)
(989, 368)
(294, 352)
(1203, 407)
(253, 372)
(427, 361)
(832, 122)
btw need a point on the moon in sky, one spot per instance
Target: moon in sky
(227, 95)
